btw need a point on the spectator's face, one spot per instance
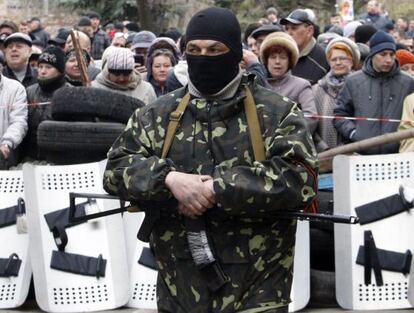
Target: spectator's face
(17, 54)
(383, 61)
(47, 71)
(160, 66)
(120, 78)
(278, 61)
(411, 25)
(142, 51)
(88, 30)
(336, 20)
(372, 7)
(272, 18)
(72, 69)
(302, 33)
(340, 62)
(401, 24)
(34, 25)
(409, 69)
(251, 43)
(259, 41)
(84, 42)
(6, 30)
(95, 22)
(24, 28)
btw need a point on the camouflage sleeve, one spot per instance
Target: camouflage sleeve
(286, 180)
(133, 171)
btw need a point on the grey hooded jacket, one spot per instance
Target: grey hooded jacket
(368, 93)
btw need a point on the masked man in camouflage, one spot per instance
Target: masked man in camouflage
(210, 175)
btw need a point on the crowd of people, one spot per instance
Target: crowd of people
(327, 73)
(363, 68)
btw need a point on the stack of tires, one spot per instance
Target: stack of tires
(86, 122)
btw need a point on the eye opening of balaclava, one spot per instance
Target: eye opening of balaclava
(210, 74)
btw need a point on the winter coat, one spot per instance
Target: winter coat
(312, 64)
(255, 250)
(41, 35)
(100, 42)
(13, 112)
(326, 94)
(29, 79)
(137, 88)
(407, 145)
(93, 72)
(298, 90)
(368, 93)
(36, 115)
(376, 20)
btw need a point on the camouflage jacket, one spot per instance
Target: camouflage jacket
(255, 250)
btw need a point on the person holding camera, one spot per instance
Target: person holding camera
(119, 75)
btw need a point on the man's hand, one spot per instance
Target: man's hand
(249, 57)
(5, 151)
(192, 192)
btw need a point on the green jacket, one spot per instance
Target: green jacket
(255, 250)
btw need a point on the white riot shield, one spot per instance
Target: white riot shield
(358, 181)
(300, 292)
(143, 280)
(100, 240)
(14, 242)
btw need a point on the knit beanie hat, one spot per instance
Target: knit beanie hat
(121, 59)
(84, 21)
(280, 39)
(381, 41)
(53, 56)
(349, 29)
(364, 33)
(71, 53)
(404, 57)
(346, 44)
(217, 24)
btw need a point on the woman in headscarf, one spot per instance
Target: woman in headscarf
(343, 56)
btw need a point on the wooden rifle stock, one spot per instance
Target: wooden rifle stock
(326, 157)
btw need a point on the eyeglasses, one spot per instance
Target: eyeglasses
(340, 59)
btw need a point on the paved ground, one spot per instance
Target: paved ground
(31, 307)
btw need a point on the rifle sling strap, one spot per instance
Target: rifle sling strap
(382, 208)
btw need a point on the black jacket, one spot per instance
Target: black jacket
(29, 79)
(312, 65)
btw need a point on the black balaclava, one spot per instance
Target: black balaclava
(210, 74)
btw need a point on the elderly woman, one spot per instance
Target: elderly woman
(119, 75)
(343, 56)
(279, 53)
